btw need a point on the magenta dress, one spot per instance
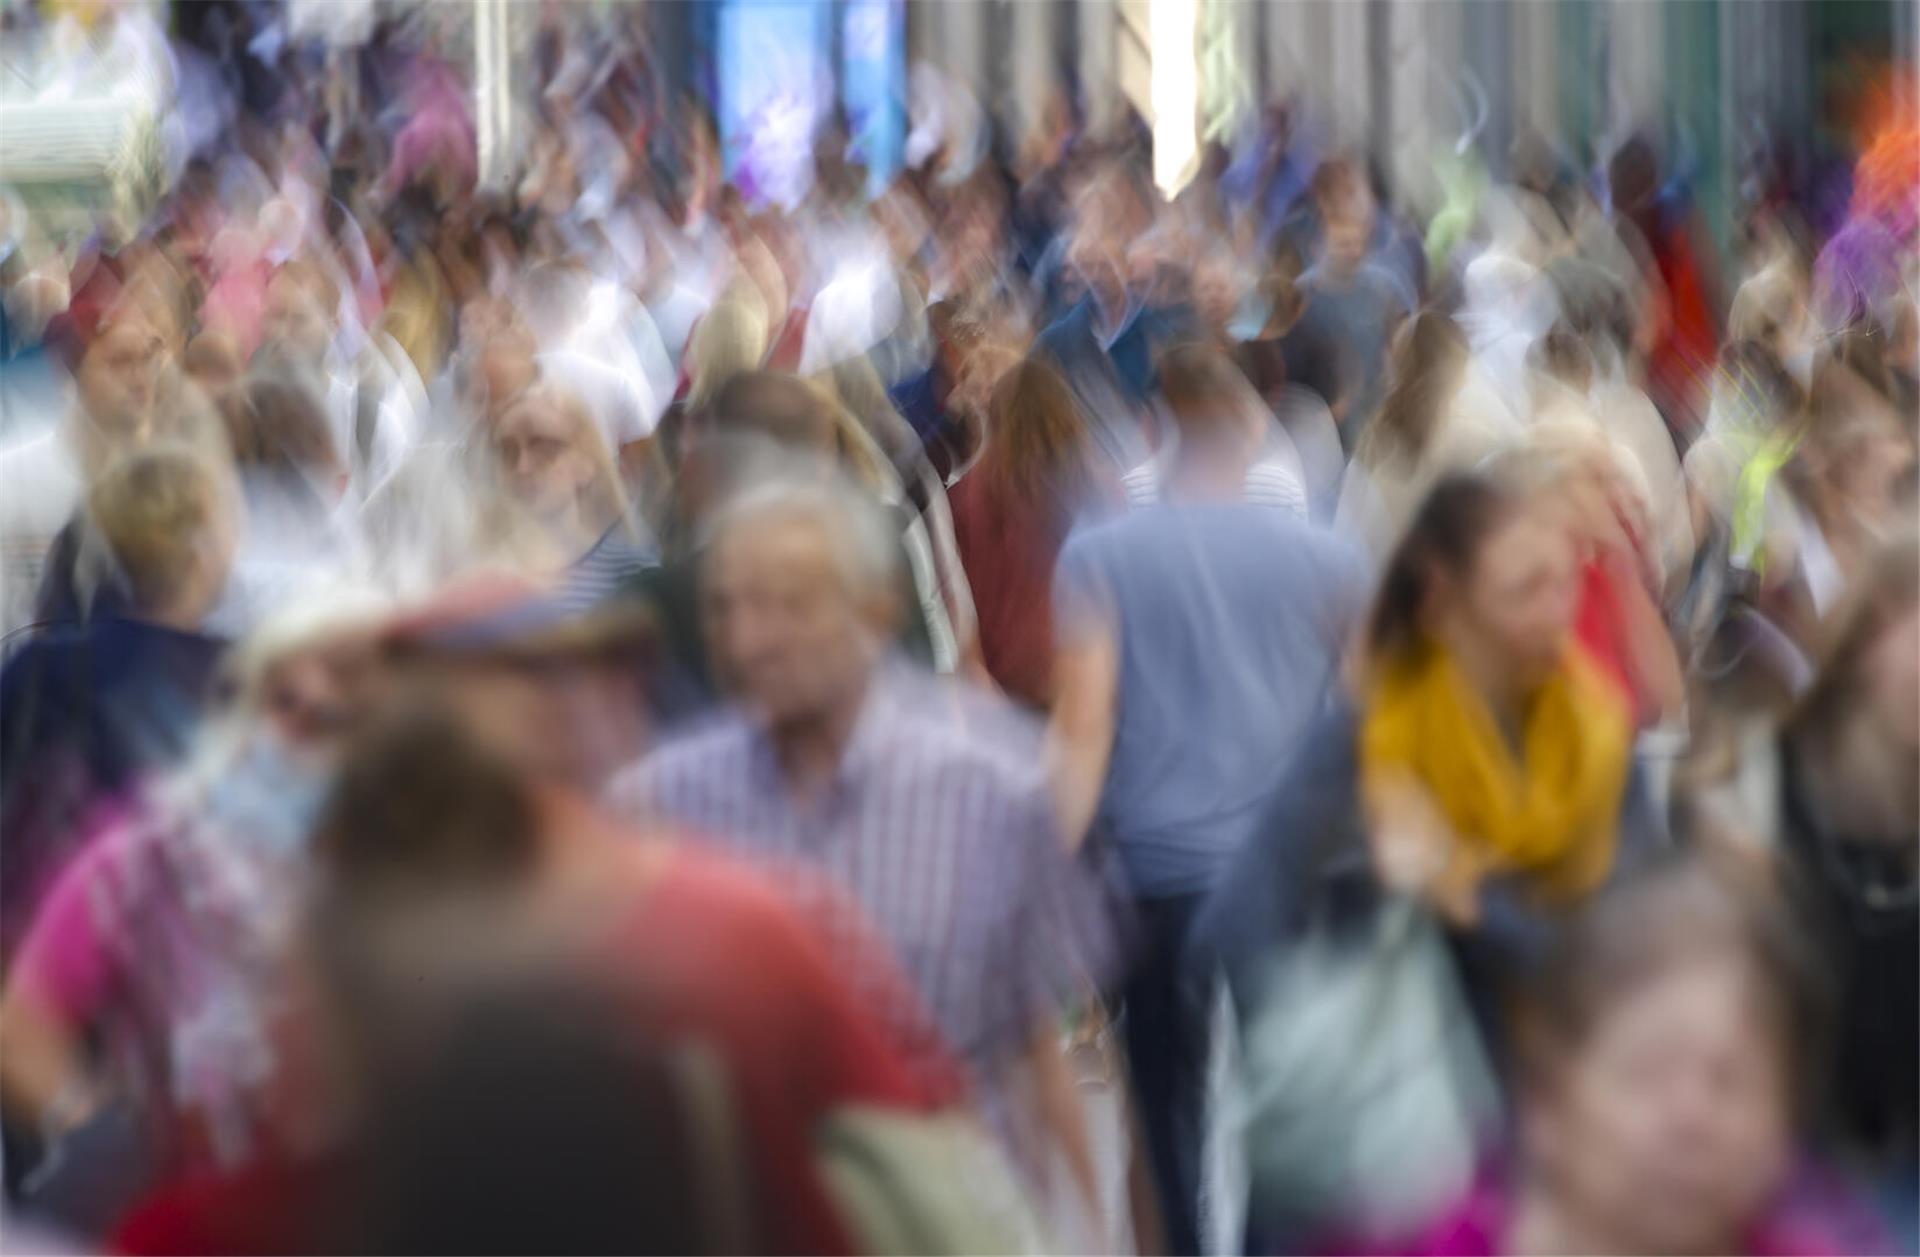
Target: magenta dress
(1814, 1216)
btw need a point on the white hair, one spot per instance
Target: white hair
(865, 545)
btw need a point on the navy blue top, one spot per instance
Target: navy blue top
(85, 711)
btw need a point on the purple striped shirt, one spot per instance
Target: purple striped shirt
(940, 832)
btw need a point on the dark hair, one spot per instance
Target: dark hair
(1204, 390)
(1324, 364)
(543, 1117)
(1563, 354)
(279, 424)
(1444, 537)
(420, 806)
(774, 404)
(1683, 903)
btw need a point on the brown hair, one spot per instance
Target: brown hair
(279, 424)
(1683, 905)
(1037, 445)
(792, 412)
(1426, 356)
(1563, 354)
(1444, 538)
(1207, 395)
(420, 805)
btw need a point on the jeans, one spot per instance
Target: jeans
(1166, 1024)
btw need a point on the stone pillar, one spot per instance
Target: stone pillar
(1427, 109)
(1289, 50)
(1099, 76)
(1032, 79)
(1347, 84)
(1636, 88)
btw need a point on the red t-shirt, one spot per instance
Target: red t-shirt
(717, 955)
(1008, 548)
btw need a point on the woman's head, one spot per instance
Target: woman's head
(553, 460)
(1428, 355)
(730, 341)
(1486, 568)
(1660, 1050)
(167, 525)
(1036, 443)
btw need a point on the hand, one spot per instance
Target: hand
(1416, 853)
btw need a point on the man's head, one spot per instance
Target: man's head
(1217, 417)
(1346, 208)
(780, 407)
(798, 595)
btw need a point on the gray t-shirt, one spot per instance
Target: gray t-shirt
(1231, 618)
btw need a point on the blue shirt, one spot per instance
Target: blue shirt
(1231, 619)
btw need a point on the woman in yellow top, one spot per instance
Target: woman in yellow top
(1489, 745)
(1480, 765)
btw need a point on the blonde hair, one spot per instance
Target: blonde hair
(416, 316)
(153, 512)
(730, 340)
(606, 498)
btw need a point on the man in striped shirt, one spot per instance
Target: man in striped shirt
(841, 759)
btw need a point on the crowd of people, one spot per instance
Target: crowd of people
(999, 710)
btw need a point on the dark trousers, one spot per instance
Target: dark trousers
(1166, 1023)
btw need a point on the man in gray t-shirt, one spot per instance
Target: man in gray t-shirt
(1196, 638)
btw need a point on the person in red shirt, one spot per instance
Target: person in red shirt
(459, 852)
(1012, 513)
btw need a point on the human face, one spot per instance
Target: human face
(782, 623)
(119, 378)
(1216, 293)
(541, 459)
(562, 720)
(313, 698)
(1346, 242)
(1517, 603)
(1669, 1127)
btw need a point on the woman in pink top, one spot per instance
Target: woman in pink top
(163, 941)
(1659, 1056)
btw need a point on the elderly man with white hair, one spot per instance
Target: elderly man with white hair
(841, 758)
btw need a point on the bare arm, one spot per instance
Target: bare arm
(1086, 677)
(1057, 1104)
(43, 1082)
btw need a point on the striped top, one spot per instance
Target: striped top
(614, 560)
(941, 834)
(1269, 483)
